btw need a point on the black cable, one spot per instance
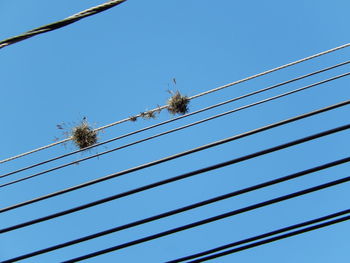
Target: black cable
(272, 233)
(176, 129)
(166, 181)
(183, 209)
(211, 219)
(240, 159)
(175, 119)
(153, 185)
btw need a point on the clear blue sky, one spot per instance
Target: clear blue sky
(121, 62)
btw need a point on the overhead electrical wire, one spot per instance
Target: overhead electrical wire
(193, 97)
(211, 219)
(265, 235)
(147, 187)
(62, 23)
(174, 130)
(185, 208)
(271, 70)
(172, 157)
(177, 118)
(74, 259)
(113, 3)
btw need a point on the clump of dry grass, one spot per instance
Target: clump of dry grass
(83, 135)
(178, 104)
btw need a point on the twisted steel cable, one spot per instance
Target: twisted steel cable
(62, 23)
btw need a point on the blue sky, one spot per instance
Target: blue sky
(121, 62)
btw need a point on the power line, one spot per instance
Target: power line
(193, 97)
(62, 23)
(177, 118)
(174, 130)
(153, 185)
(212, 219)
(271, 70)
(272, 233)
(207, 146)
(184, 209)
(55, 26)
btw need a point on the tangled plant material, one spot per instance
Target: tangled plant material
(178, 104)
(83, 135)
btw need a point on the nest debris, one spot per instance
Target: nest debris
(178, 104)
(83, 135)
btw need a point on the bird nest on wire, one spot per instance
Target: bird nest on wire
(83, 135)
(178, 103)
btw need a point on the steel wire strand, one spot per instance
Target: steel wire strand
(270, 71)
(62, 23)
(265, 235)
(193, 97)
(166, 181)
(211, 219)
(177, 118)
(174, 130)
(184, 209)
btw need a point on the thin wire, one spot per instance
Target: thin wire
(62, 23)
(180, 177)
(212, 219)
(272, 233)
(270, 71)
(177, 118)
(173, 130)
(184, 209)
(193, 97)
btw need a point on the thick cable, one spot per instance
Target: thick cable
(159, 161)
(184, 209)
(62, 23)
(211, 219)
(180, 177)
(174, 130)
(265, 235)
(177, 118)
(193, 97)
